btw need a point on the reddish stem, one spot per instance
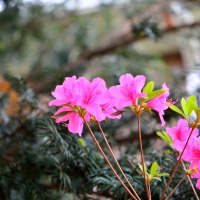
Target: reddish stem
(108, 162)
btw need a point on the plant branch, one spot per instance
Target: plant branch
(176, 187)
(115, 159)
(124, 39)
(106, 159)
(176, 166)
(189, 179)
(142, 158)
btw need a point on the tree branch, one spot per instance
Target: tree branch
(123, 40)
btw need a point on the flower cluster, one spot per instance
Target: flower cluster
(179, 135)
(80, 99)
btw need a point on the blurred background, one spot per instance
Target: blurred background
(42, 42)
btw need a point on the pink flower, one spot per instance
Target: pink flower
(195, 173)
(198, 184)
(81, 98)
(108, 110)
(193, 153)
(159, 103)
(128, 91)
(75, 124)
(92, 96)
(180, 134)
(67, 93)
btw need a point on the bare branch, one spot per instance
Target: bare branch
(123, 40)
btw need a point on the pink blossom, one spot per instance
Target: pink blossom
(67, 93)
(65, 114)
(193, 153)
(80, 95)
(180, 134)
(108, 110)
(198, 184)
(128, 91)
(93, 95)
(195, 174)
(159, 103)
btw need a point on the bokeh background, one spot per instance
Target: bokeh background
(42, 42)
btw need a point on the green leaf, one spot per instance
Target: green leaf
(176, 109)
(157, 178)
(154, 94)
(198, 113)
(162, 174)
(81, 142)
(154, 168)
(190, 104)
(148, 87)
(192, 98)
(184, 107)
(165, 137)
(194, 107)
(145, 167)
(118, 112)
(62, 114)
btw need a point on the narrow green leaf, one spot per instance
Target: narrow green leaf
(189, 106)
(184, 107)
(148, 87)
(154, 168)
(81, 142)
(165, 137)
(157, 178)
(140, 166)
(194, 107)
(192, 98)
(176, 109)
(154, 94)
(169, 139)
(161, 135)
(118, 112)
(198, 113)
(61, 114)
(162, 174)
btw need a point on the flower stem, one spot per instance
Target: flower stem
(189, 179)
(176, 187)
(108, 162)
(176, 166)
(142, 159)
(113, 155)
(149, 186)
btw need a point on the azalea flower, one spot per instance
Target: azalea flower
(92, 96)
(67, 93)
(180, 134)
(159, 103)
(193, 153)
(80, 98)
(198, 184)
(128, 91)
(194, 171)
(76, 122)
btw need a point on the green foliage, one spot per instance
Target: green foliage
(154, 174)
(148, 88)
(187, 107)
(165, 137)
(146, 28)
(41, 160)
